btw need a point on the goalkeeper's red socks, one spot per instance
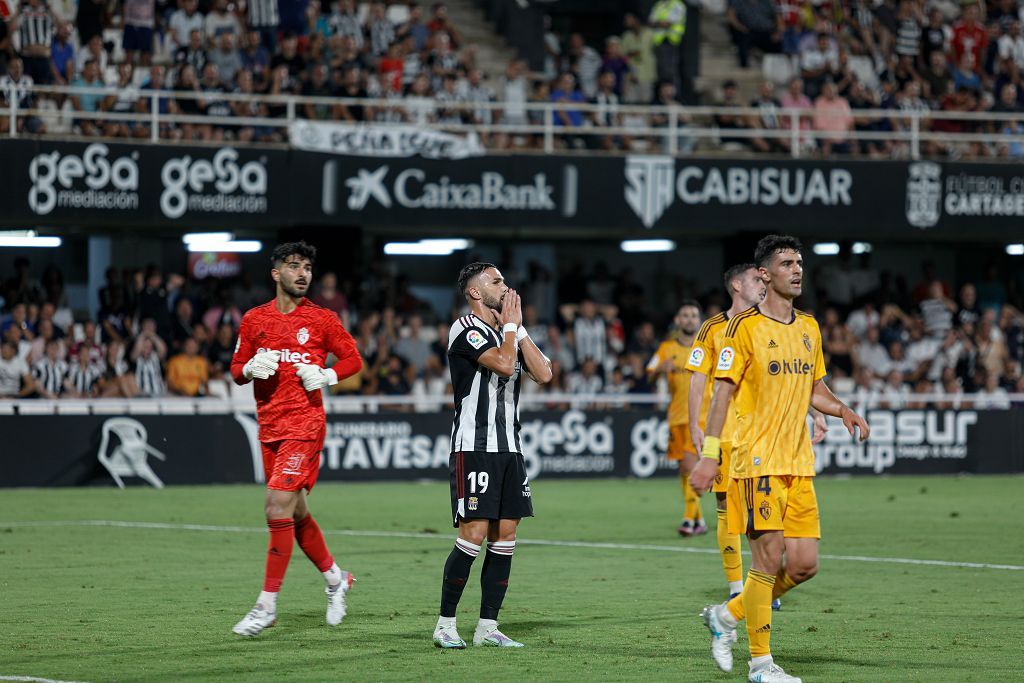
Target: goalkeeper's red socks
(282, 539)
(311, 540)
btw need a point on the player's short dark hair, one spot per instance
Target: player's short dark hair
(734, 273)
(471, 271)
(772, 244)
(283, 251)
(690, 302)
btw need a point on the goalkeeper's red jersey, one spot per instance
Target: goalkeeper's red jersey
(306, 335)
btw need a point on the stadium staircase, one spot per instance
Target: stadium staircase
(718, 60)
(492, 52)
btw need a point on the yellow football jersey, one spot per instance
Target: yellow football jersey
(703, 357)
(774, 366)
(678, 378)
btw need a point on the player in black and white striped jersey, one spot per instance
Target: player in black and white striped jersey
(488, 352)
(149, 374)
(50, 371)
(263, 17)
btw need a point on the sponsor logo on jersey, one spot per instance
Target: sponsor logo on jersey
(303, 335)
(475, 339)
(790, 367)
(289, 356)
(765, 509)
(725, 358)
(696, 357)
(473, 503)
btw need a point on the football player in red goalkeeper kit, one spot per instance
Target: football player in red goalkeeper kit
(283, 346)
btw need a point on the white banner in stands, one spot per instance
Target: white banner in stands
(382, 141)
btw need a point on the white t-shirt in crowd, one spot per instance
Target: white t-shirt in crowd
(11, 372)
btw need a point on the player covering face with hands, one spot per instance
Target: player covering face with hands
(490, 354)
(283, 347)
(769, 370)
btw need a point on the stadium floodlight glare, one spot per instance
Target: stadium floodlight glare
(646, 246)
(207, 237)
(826, 248)
(238, 246)
(454, 244)
(862, 248)
(1015, 249)
(27, 238)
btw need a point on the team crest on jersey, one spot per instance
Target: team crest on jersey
(807, 342)
(696, 357)
(725, 358)
(474, 503)
(303, 335)
(475, 339)
(765, 510)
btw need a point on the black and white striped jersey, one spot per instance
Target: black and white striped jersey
(263, 13)
(50, 375)
(83, 379)
(150, 375)
(486, 404)
(35, 25)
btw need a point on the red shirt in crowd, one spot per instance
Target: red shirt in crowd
(969, 38)
(285, 410)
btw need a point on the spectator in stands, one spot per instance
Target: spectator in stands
(124, 101)
(188, 372)
(289, 57)
(937, 311)
(330, 297)
(19, 84)
(589, 334)
(223, 311)
(116, 379)
(183, 21)
(413, 348)
(226, 58)
(668, 26)
(183, 324)
(193, 54)
(794, 98)
(832, 118)
(62, 55)
(727, 121)
(638, 47)
(440, 24)
(934, 39)
(166, 104)
(480, 94)
(148, 353)
(47, 332)
(90, 20)
(82, 376)
(585, 383)
(256, 59)
(515, 93)
(585, 62)
(221, 351)
(433, 384)
(319, 86)
(754, 23)
(139, 19)
(50, 370)
(968, 311)
(666, 97)
(768, 118)
(15, 378)
(818, 62)
(34, 24)
(870, 354)
(352, 88)
(218, 21)
(87, 102)
(212, 103)
(965, 74)
(415, 28)
(91, 50)
(565, 92)
(616, 63)
(607, 114)
(937, 79)
(969, 36)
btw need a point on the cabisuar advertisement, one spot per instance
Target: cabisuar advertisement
(53, 182)
(196, 449)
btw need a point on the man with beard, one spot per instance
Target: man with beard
(771, 369)
(283, 345)
(670, 360)
(489, 350)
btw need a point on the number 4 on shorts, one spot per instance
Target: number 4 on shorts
(764, 486)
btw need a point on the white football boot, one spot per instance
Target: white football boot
(492, 637)
(448, 638)
(336, 608)
(255, 621)
(722, 637)
(770, 673)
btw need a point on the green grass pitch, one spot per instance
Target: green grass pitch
(102, 603)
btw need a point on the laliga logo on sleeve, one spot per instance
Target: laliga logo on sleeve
(696, 357)
(725, 358)
(303, 335)
(475, 339)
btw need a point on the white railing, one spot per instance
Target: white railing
(377, 404)
(683, 127)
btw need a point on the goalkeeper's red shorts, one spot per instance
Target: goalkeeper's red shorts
(291, 465)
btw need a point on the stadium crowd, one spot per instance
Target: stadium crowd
(904, 56)
(162, 335)
(830, 59)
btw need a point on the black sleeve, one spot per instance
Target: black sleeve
(472, 342)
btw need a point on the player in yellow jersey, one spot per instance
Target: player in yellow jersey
(770, 368)
(670, 360)
(745, 286)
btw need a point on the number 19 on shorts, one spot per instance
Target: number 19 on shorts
(478, 482)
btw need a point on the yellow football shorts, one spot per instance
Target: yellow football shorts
(773, 503)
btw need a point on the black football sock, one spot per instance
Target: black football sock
(456, 573)
(494, 578)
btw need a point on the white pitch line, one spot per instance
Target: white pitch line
(33, 679)
(446, 539)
